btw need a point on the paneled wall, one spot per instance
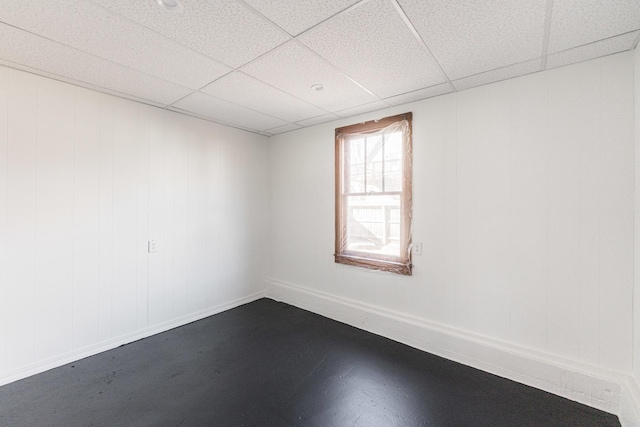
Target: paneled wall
(86, 179)
(523, 201)
(636, 294)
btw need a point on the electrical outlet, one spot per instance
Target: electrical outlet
(417, 248)
(153, 247)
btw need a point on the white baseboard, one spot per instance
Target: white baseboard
(45, 365)
(586, 384)
(630, 404)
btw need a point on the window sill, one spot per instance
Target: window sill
(375, 264)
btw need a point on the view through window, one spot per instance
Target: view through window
(373, 194)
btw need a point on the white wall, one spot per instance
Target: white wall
(631, 411)
(523, 200)
(86, 179)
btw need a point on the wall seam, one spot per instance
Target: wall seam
(6, 225)
(148, 208)
(112, 144)
(599, 212)
(633, 226)
(636, 137)
(73, 218)
(137, 217)
(546, 215)
(99, 251)
(35, 223)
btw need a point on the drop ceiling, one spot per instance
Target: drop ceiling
(251, 64)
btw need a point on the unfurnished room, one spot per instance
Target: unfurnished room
(320, 213)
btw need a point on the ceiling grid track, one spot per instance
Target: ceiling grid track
(415, 33)
(547, 32)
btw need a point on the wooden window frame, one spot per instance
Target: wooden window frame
(402, 264)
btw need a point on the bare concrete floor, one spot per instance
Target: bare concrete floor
(270, 364)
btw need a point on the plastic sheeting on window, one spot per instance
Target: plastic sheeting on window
(374, 194)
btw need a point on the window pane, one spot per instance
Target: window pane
(393, 162)
(373, 227)
(356, 149)
(374, 164)
(373, 224)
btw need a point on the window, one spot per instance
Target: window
(373, 194)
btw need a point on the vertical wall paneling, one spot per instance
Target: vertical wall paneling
(180, 219)
(528, 216)
(231, 232)
(86, 180)
(54, 218)
(197, 216)
(157, 177)
(590, 146)
(241, 206)
(616, 221)
(563, 193)
(493, 140)
(4, 89)
(225, 233)
(450, 206)
(105, 249)
(125, 218)
(430, 179)
(214, 249)
(168, 238)
(467, 291)
(142, 257)
(21, 218)
(502, 142)
(191, 215)
(305, 183)
(86, 215)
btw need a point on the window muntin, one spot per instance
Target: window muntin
(373, 194)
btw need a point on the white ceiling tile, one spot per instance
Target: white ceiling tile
(90, 28)
(420, 94)
(219, 110)
(296, 16)
(472, 36)
(283, 129)
(293, 69)
(39, 53)
(317, 120)
(224, 30)
(366, 53)
(374, 46)
(246, 91)
(592, 50)
(578, 22)
(503, 73)
(361, 109)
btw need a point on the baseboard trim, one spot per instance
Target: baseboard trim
(36, 368)
(630, 404)
(586, 384)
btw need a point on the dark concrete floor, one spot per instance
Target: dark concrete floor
(270, 364)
